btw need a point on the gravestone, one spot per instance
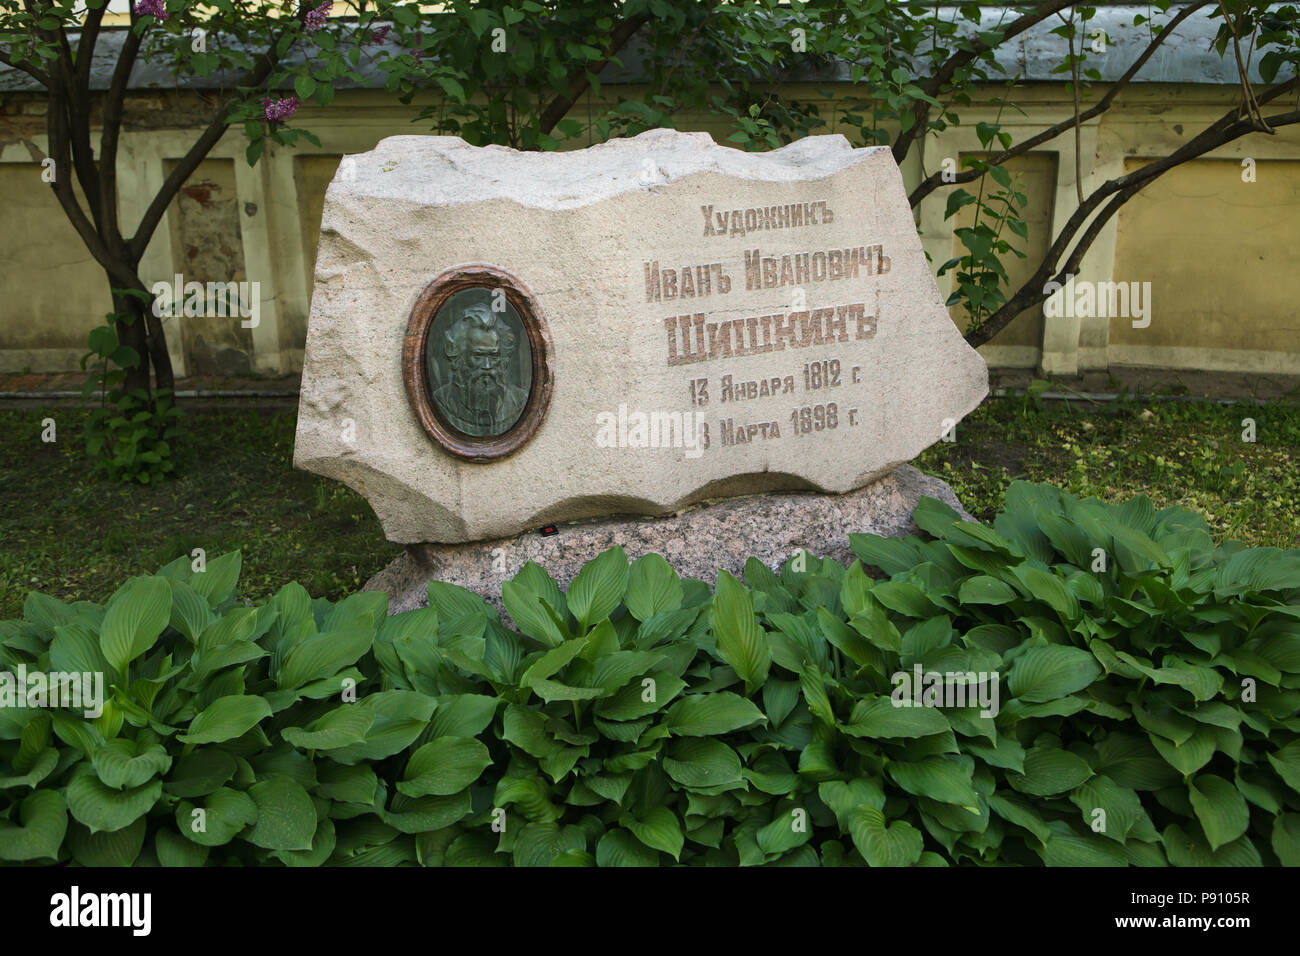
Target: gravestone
(501, 340)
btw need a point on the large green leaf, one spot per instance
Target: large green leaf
(136, 616)
(540, 844)
(1203, 683)
(1068, 848)
(880, 717)
(354, 784)
(1258, 569)
(942, 778)
(42, 822)
(120, 765)
(924, 638)
(1051, 672)
(1049, 771)
(1220, 807)
(75, 649)
(225, 719)
(898, 844)
(346, 724)
(400, 716)
(983, 589)
(421, 814)
(611, 671)
(1286, 838)
(224, 813)
(653, 587)
(598, 588)
(1189, 756)
(107, 848)
(702, 762)
(1121, 809)
(620, 848)
(42, 765)
(707, 715)
(190, 614)
(323, 844)
(526, 729)
(216, 582)
(1286, 762)
(850, 640)
(286, 815)
(530, 796)
(843, 796)
(1187, 847)
(323, 655)
(639, 698)
(1050, 589)
(46, 611)
(463, 715)
(531, 615)
(740, 641)
(200, 772)
(551, 662)
(1132, 762)
(1022, 813)
(790, 828)
(100, 807)
(658, 829)
(474, 849)
(444, 766)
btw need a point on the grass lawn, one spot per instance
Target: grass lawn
(65, 531)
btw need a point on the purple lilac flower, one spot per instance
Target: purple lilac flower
(151, 8)
(379, 34)
(315, 18)
(277, 111)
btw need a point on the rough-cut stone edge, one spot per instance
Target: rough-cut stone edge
(697, 541)
(451, 172)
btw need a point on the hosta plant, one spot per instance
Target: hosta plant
(1113, 689)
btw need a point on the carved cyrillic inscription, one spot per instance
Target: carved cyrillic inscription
(693, 338)
(808, 397)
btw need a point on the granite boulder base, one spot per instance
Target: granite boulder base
(697, 542)
(500, 340)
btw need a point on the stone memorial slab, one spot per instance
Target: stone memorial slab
(501, 339)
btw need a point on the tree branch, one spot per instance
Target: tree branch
(978, 48)
(1119, 190)
(210, 136)
(934, 181)
(86, 45)
(559, 107)
(114, 102)
(60, 151)
(40, 76)
(77, 110)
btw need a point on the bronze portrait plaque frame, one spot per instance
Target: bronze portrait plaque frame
(415, 369)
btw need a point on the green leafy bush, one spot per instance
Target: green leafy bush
(1147, 710)
(127, 435)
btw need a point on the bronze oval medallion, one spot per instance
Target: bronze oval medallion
(477, 362)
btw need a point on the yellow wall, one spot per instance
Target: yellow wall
(207, 246)
(312, 175)
(1219, 254)
(52, 291)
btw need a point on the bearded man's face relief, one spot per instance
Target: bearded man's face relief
(482, 372)
(480, 396)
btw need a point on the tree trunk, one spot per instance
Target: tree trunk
(143, 331)
(131, 332)
(159, 358)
